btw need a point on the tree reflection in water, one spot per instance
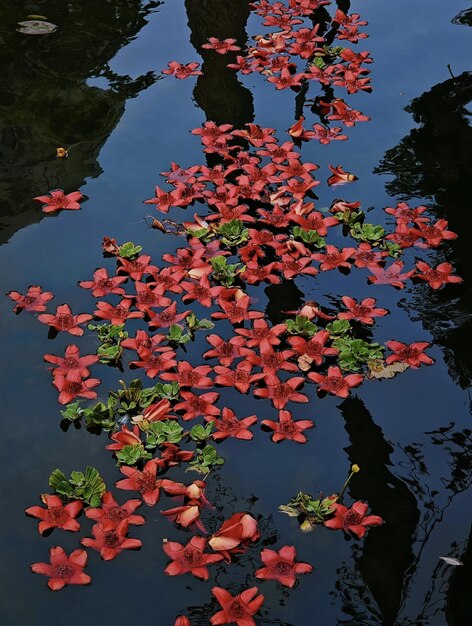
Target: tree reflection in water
(59, 107)
(433, 162)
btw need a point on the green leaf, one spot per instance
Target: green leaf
(73, 412)
(201, 433)
(367, 232)
(132, 454)
(206, 460)
(338, 327)
(301, 325)
(167, 431)
(309, 236)
(129, 251)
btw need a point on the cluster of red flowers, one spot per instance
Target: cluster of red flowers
(261, 215)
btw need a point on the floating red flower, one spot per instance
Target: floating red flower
(335, 383)
(58, 200)
(281, 566)
(167, 317)
(146, 482)
(111, 542)
(412, 354)
(235, 534)
(63, 570)
(182, 621)
(339, 176)
(194, 405)
(438, 276)
(124, 437)
(189, 376)
(353, 519)
(314, 347)
(238, 610)
(228, 425)
(281, 392)
(56, 515)
(224, 351)
(288, 428)
(72, 385)
(189, 559)
(72, 361)
(64, 320)
(34, 300)
(110, 514)
(102, 284)
(117, 314)
(364, 311)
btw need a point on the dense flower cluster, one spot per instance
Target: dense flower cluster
(260, 227)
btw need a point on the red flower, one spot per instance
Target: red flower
(262, 335)
(239, 377)
(434, 234)
(436, 277)
(124, 437)
(412, 353)
(288, 428)
(111, 542)
(237, 610)
(365, 256)
(194, 405)
(189, 559)
(110, 514)
(335, 383)
(281, 392)
(222, 46)
(334, 258)
(34, 300)
(224, 351)
(102, 284)
(239, 530)
(158, 411)
(167, 317)
(189, 376)
(185, 515)
(314, 347)
(147, 297)
(392, 275)
(179, 70)
(182, 621)
(353, 519)
(327, 135)
(136, 268)
(64, 320)
(63, 570)
(364, 311)
(229, 426)
(153, 362)
(56, 515)
(281, 566)
(256, 135)
(339, 176)
(298, 132)
(117, 314)
(173, 455)
(145, 482)
(59, 200)
(73, 386)
(72, 361)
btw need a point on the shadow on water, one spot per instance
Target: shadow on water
(59, 108)
(433, 162)
(387, 552)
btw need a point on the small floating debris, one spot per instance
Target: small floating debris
(37, 25)
(450, 561)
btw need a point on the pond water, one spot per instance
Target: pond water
(95, 85)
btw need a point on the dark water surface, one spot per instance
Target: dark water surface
(94, 84)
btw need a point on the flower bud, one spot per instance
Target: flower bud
(355, 468)
(182, 621)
